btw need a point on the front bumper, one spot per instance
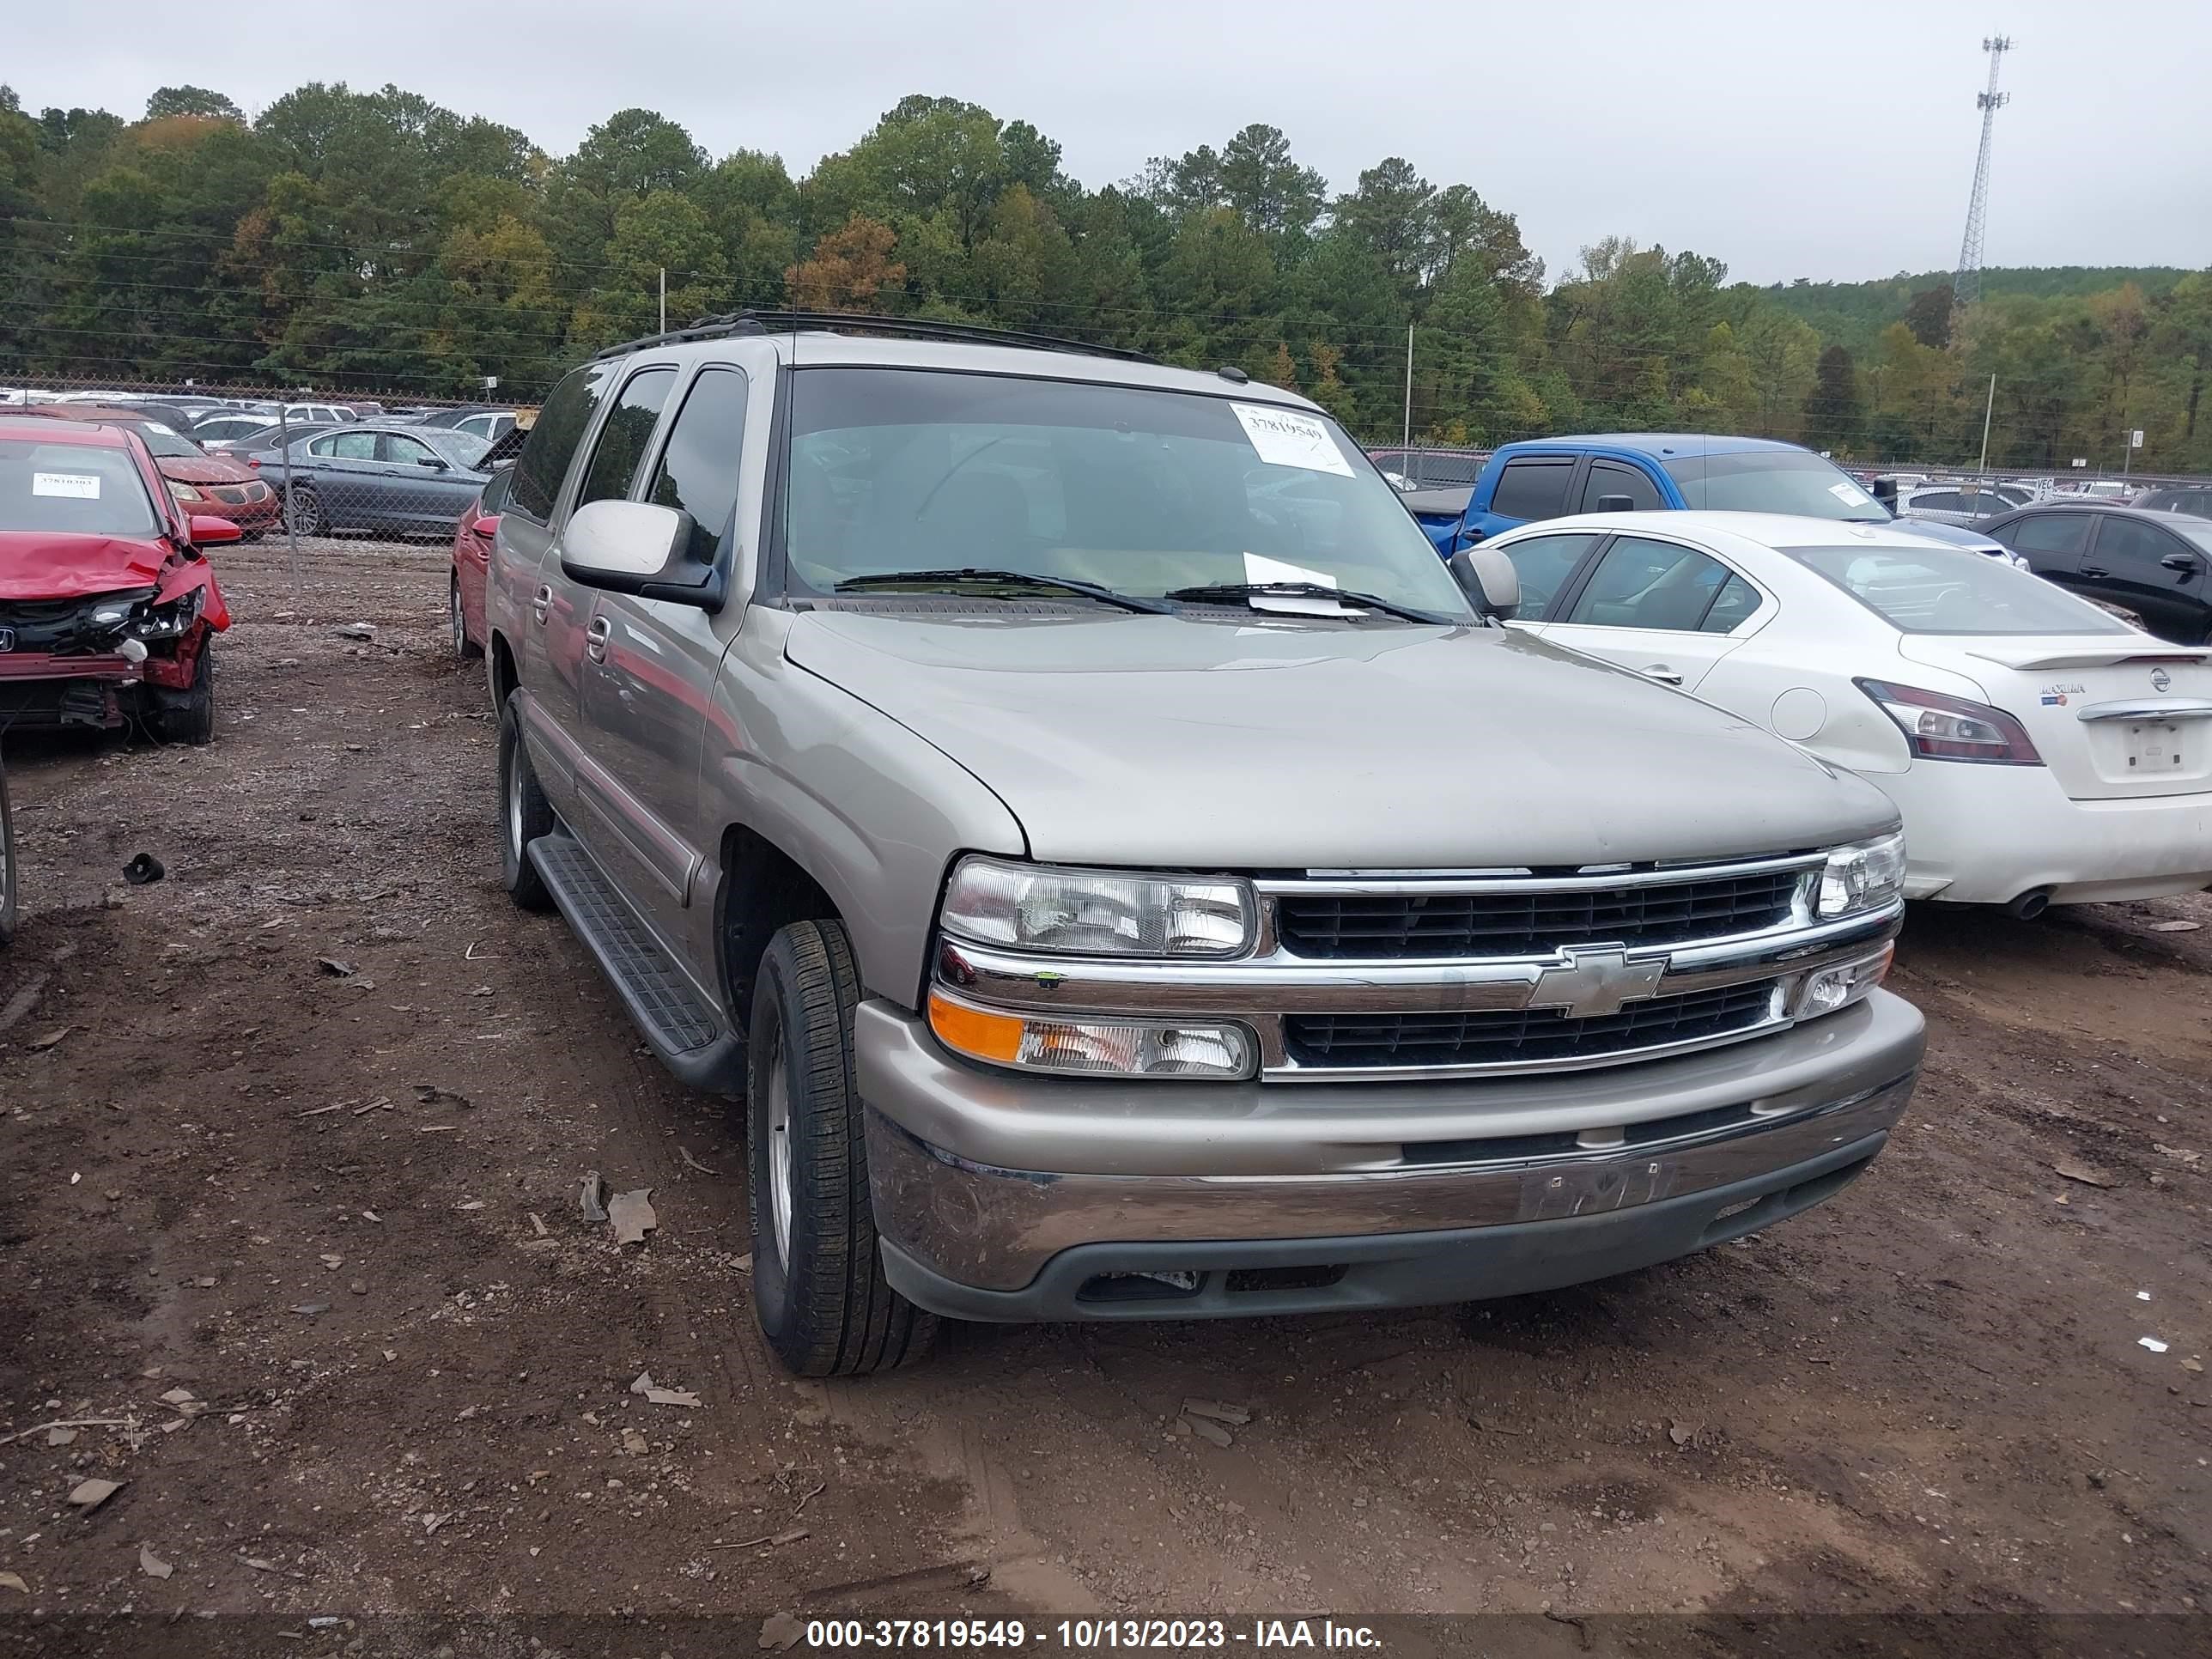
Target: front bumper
(43, 692)
(1018, 1199)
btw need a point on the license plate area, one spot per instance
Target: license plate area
(2149, 756)
(2157, 748)
(1594, 1188)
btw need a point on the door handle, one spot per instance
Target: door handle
(1661, 673)
(2094, 570)
(541, 602)
(595, 638)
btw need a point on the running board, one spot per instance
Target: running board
(688, 1035)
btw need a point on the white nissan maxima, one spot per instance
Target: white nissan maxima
(2040, 751)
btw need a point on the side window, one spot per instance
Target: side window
(494, 493)
(325, 445)
(2131, 540)
(346, 445)
(408, 452)
(1732, 607)
(1648, 583)
(562, 422)
(1939, 501)
(1544, 563)
(622, 439)
(698, 468)
(1532, 489)
(1611, 478)
(2059, 534)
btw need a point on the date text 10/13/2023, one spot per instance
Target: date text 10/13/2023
(1090, 1635)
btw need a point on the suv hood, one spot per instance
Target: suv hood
(1220, 744)
(42, 565)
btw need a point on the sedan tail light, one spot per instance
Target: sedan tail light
(1940, 727)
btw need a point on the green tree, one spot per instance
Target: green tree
(1835, 415)
(192, 100)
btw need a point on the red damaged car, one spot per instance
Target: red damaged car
(108, 610)
(219, 486)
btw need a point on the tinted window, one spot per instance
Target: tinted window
(494, 493)
(1937, 501)
(552, 444)
(1772, 481)
(2133, 541)
(622, 439)
(1544, 563)
(1647, 584)
(698, 470)
(408, 452)
(1937, 591)
(1532, 489)
(1608, 478)
(1732, 608)
(2046, 532)
(73, 488)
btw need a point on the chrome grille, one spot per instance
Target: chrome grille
(1392, 925)
(1524, 1036)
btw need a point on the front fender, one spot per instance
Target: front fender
(184, 575)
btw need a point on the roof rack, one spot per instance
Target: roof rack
(917, 328)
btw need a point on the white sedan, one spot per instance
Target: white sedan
(2040, 751)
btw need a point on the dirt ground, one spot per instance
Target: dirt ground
(298, 1131)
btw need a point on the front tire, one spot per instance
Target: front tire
(7, 866)
(525, 814)
(188, 716)
(818, 1286)
(464, 648)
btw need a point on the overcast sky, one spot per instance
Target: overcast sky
(1835, 142)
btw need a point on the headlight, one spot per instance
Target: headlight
(166, 622)
(1091, 1048)
(1862, 876)
(1095, 912)
(185, 492)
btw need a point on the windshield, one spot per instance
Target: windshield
(1772, 481)
(165, 443)
(1140, 491)
(81, 490)
(1940, 591)
(462, 448)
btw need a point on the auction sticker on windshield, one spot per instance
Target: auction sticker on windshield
(1283, 437)
(77, 486)
(1849, 495)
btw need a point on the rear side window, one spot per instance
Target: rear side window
(2133, 541)
(1544, 563)
(553, 441)
(1648, 583)
(1608, 478)
(628, 429)
(698, 468)
(1532, 489)
(2047, 532)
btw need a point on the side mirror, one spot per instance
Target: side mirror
(635, 547)
(208, 530)
(1487, 577)
(1616, 504)
(434, 464)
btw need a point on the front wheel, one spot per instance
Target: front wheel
(525, 814)
(818, 1286)
(7, 864)
(188, 716)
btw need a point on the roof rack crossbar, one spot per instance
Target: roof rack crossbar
(919, 328)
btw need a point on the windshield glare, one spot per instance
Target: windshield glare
(81, 490)
(1142, 491)
(1773, 481)
(1942, 590)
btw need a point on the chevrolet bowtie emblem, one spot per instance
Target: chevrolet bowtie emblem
(1589, 983)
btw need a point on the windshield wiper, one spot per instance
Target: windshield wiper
(970, 576)
(1311, 591)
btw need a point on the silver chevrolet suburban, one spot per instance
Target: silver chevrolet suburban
(1125, 873)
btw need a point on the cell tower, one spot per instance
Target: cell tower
(1966, 286)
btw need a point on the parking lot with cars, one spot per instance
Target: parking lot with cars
(315, 1286)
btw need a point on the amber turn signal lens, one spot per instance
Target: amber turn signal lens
(974, 1032)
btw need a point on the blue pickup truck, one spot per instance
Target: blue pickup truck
(1652, 473)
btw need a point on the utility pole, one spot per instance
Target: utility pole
(1967, 285)
(1405, 438)
(664, 299)
(1988, 409)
